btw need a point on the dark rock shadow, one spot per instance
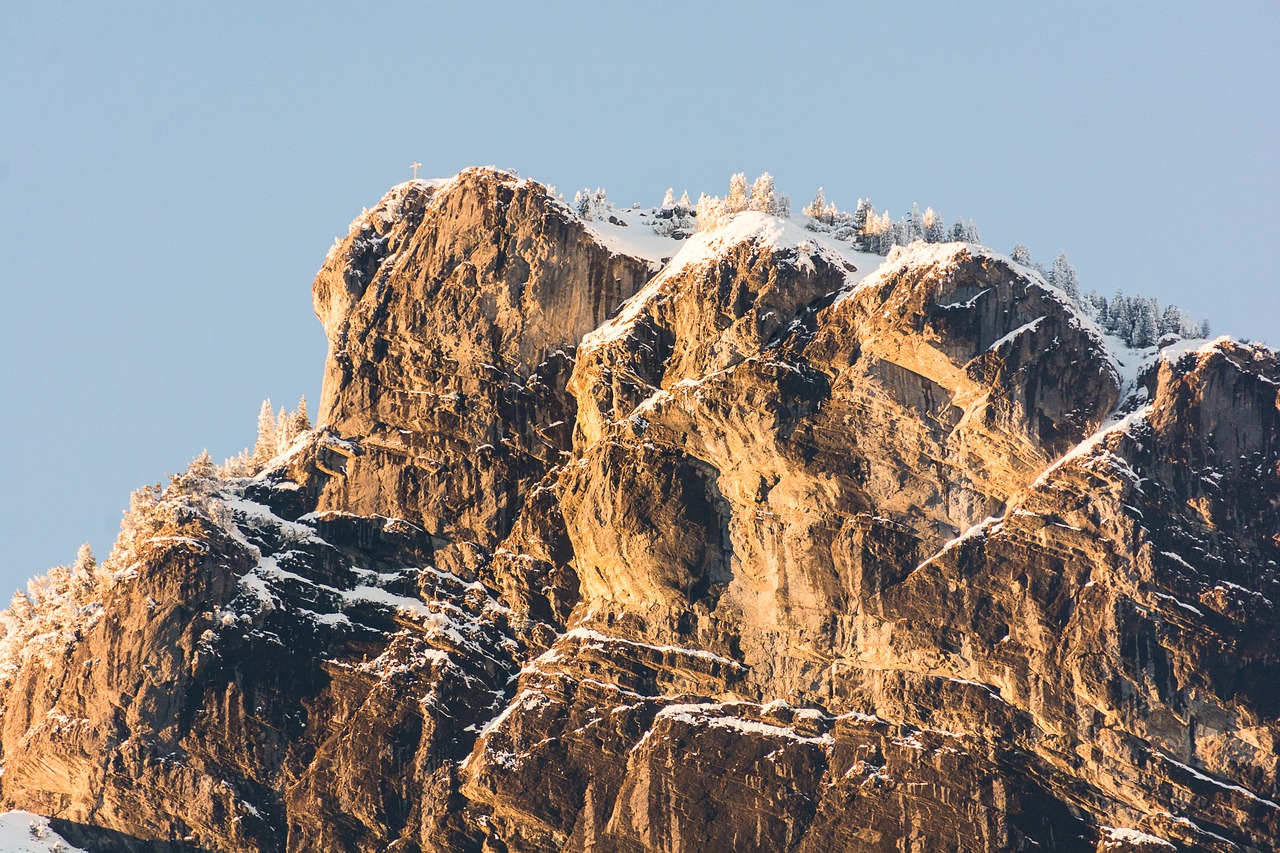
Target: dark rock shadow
(97, 839)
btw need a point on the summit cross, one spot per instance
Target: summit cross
(415, 168)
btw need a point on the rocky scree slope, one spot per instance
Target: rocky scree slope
(756, 546)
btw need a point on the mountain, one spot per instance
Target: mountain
(611, 541)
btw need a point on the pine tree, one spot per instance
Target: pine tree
(1099, 303)
(684, 200)
(934, 229)
(84, 574)
(21, 608)
(669, 200)
(782, 205)
(268, 438)
(301, 423)
(284, 431)
(201, 467)
(240, 465)
(1144, 324)
(1063, 275)
(860, 214)
(1021, 255)
(914, 224)
(1172, 321)
(899, 234)
(763, 194)
(879, 233)
(817, 209)
(136, 523)
(600, 203)
(709, 213)
(85, 561)
(1120, 316)
(738, 198)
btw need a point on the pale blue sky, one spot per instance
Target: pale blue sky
(172, 174)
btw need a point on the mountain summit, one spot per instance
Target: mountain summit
(611, 537)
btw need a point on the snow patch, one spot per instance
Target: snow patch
(24, 832)
(601, 639)
(1225, 785)
(1012, 336)
(1117, 836)
(712, 714)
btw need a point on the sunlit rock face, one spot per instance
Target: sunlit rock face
(744, 542)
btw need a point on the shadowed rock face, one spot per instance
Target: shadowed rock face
(763, 560)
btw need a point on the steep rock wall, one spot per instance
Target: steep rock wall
(778, 554)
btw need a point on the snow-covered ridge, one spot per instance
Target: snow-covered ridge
(773, 233)
(636, 238)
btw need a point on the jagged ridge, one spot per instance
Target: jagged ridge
(800, 549)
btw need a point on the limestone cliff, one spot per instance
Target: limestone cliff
(751, 543)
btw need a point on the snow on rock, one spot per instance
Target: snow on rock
(1119, 837)
(24, 832)
(1012, 336)
(769, 232)
(631, 234)
(721, 715)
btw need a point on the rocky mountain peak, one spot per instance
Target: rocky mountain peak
(616, 538)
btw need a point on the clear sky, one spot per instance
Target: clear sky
(172, 174)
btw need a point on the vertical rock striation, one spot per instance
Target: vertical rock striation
(759, 548)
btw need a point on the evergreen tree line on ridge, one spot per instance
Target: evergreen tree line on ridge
(43, 618)
(1137, 320)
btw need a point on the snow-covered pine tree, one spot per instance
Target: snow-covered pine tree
(675, 219)
(301, 422)
(763, 195)
(1063, 275)
(1120, 316)
(860, 213)
(85, 561)
(880, 233)
(201, 467)
(934, 229)
(240, 465)
(85, 574)
(1021, 255)
(268, 438)
(1172, 321)
(900, 234)
(1098, 308)
(600, 204)
(1145, 324)
(669, 200)
(710, 211)
(136, 524)
(915, 224)
(21, 607)
(739, 196)
(284, 431)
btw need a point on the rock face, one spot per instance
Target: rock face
(784, 553)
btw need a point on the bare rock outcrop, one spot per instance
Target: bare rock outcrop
(769, 546)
